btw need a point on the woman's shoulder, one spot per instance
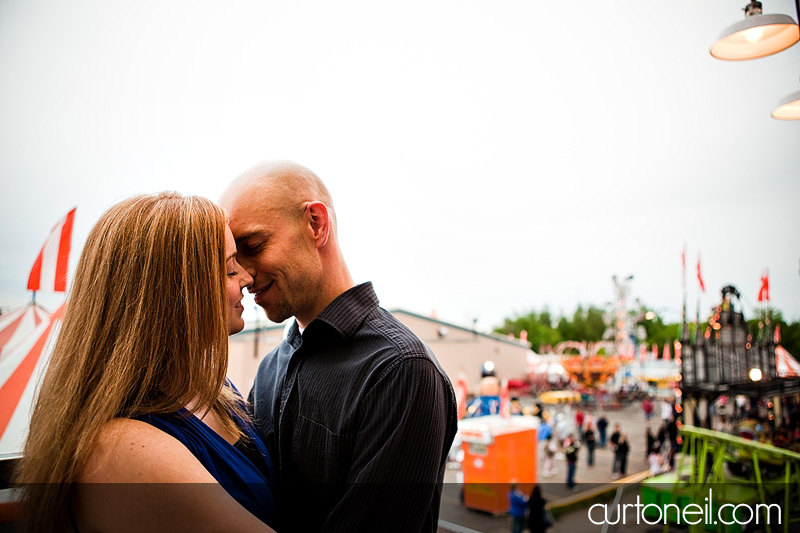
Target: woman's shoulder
(133, 451)
(139, 478)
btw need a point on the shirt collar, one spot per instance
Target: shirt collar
(349, 309)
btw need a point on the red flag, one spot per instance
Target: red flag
(777, 335)
(50, 268)
(683, 265)
(763, 292)
(699, 276)
(666, 356)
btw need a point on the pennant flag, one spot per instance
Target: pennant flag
(777, 334)
(763, 292)
(700, 276)
(50, 268)
(683, 265)
(666, 356)
(655, 352)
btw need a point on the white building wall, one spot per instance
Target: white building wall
(458, 349)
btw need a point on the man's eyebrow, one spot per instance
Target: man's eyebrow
(245, 236)
(254, 233)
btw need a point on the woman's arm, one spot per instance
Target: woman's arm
(138, 478)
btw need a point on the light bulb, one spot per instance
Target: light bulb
(754, 35)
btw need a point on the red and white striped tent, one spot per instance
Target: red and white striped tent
(18, 325)
(27, 335)
(22, 364)
(786, 365)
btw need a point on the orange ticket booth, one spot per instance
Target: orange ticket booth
(497, 451)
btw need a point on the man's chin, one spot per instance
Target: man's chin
(276, 315)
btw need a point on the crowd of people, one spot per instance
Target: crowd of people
(570, 441)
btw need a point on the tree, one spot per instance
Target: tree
(588, 325)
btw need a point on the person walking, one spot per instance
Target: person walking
(538, 516)
(647, 407)
(590, 439)
(602, 425)
(550, 449)
(518, 504)
(571, 446)
(614, 440)
(651, 442)
(621, 456)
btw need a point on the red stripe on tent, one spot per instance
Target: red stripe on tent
(34, 280)
(63, 253)
(8, 331)
(39, 315)
(12, 389)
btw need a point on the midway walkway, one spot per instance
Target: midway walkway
(570, 507)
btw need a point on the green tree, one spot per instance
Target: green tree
(588, 325)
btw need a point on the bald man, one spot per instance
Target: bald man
(356, 411)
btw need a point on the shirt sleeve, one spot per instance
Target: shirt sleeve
(409, 422)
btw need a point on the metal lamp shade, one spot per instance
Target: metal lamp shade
(756, 36)
(789, 108)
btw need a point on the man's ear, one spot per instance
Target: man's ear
(319, 221)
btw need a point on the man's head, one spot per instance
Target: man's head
(281, 215)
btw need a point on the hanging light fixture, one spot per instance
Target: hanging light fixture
(789, 108)
(757, 35)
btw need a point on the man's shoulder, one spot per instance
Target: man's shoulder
(398, 342)
(394, 331)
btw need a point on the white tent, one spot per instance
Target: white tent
(786, 365)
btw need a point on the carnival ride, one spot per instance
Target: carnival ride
(590, 364)
(768, 480)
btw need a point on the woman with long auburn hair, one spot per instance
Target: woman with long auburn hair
(136, 427)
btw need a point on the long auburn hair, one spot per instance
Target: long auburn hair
(145, 331)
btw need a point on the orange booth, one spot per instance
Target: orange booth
(497, 451)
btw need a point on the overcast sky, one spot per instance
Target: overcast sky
(486, 158)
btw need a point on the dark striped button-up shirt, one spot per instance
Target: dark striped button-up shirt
(359, 418)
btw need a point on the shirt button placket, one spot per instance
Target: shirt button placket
(286, 391)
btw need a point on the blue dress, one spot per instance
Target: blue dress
(238, 469)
